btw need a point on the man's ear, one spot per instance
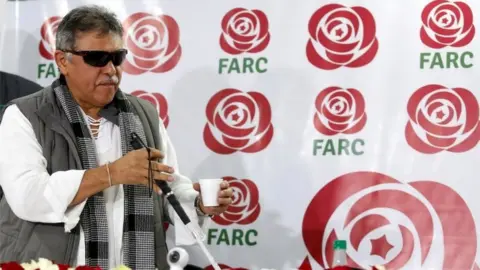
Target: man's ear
(61, 61)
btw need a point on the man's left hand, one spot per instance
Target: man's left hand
(224, 199)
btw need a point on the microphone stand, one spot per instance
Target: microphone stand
(194, 229)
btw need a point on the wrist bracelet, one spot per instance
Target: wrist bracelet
(109, 177)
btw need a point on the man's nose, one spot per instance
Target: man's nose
(109, 69)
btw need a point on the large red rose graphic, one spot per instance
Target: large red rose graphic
(153, 43)
(447, 23)
(158, 100)
(244, 31)
(238, 121)
(245, 207)
(416, 225)
(48, 31)
(442, 119)
(341, 36)
(224, 266)
(339, 110)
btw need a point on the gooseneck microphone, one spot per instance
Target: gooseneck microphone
(196, 231)
(137, 143)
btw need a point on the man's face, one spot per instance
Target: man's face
(93, 86)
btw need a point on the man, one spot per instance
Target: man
(13, 86)
(75, 191)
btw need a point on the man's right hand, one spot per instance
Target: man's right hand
(132, 169)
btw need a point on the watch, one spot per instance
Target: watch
(198, 209)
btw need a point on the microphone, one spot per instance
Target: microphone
(137, 143)
(196, 231)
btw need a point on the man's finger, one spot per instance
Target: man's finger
(157, 189)
(160, 167)
(226, 193)
(163, 176)
(196, 186)
(219, 209)
(224, 201)
(155, 154)
(224, 185)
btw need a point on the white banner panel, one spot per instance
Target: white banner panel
(355, 120)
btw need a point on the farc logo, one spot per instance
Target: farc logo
(341, 36)
(339, 111)
(238, 121)
(446, 24)
(442, 119)
(153, 43)
(389, 222)
(244, 210)
(245, 33)
(46, 48)
(159, 101)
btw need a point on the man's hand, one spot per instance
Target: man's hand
(132, 169)
(224, 199)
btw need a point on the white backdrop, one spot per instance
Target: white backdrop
(346, 119)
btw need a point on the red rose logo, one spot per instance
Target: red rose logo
(341, 36)
(245, 207)
(224, 266)
(339, 111)
(153, 43)
(47, 33)
(238, 121)
(244, 31)
(391, 223)
(158, 100)
(442, 119)
(447, 23)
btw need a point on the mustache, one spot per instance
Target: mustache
(111, 80)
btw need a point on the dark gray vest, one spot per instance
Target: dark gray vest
(23, 241)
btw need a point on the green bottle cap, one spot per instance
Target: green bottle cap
(340, 244)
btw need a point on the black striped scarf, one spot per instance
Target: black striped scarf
(138, 226)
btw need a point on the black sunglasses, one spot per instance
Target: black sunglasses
(102, 58)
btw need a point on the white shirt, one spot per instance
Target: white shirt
(36, 196)
(108, 146)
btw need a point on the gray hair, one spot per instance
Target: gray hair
(85, 19)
